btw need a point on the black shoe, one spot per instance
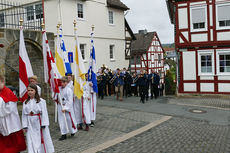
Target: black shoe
(92, 124)
(72, 135)
(79, 127)
(63, 137)
(143, 101)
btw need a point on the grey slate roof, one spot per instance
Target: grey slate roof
(142, 42)
(117, 4)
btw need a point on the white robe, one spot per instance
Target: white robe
(39, 90)
(67, 104)
(78, 110)
(93, 105)
(9, 118)
(70, 85)
(86, 102)
(33, 124)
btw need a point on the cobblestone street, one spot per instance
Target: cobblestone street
(184, 132)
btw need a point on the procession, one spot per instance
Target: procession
(114, 76)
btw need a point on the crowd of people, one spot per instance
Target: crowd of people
(122, 83)
(73, 114)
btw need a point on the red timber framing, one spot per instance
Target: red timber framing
(188, 40)
(152, 59)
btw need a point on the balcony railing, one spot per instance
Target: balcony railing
(12, 12)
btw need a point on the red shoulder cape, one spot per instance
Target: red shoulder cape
(7, 95)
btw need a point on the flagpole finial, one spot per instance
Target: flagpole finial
(21, 21)
(74, 23)
(92, 27)
(43, 26)
(59, 24)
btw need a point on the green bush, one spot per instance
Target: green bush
(170, 85)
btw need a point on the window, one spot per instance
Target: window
(30, 13)
(38, 11)
(198, 18)
(80, 11)
(159, 58)
(2, 20)
(82, 48)
(223, 15)
(111, 51)
(206, 62)
(34, 12)
(110, 17)
(223, 61)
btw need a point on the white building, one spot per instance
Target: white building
(107, 16)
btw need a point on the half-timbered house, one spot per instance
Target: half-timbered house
(202, 39)
(147, 53)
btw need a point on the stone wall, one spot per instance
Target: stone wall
(9, 55)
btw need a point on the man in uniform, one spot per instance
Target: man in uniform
(119, 84)
(142, 81)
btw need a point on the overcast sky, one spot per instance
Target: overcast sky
(151, 15)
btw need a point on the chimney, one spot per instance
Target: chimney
(143, 31)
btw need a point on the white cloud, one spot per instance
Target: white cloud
(151, 15)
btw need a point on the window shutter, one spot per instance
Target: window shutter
(224, 12)
(198, 15)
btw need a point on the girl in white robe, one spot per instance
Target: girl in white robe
(35, 123)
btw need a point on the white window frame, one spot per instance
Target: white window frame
(84, 60)
(217, 20)
(34, 13)
(205, 52)
(113, 58)
(83, 10)
(206, 20)
(221, 52)
(109, 17)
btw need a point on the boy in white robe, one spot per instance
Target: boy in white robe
(70, 81)
(35, 122)
(34, 80)
(11, 134)
(66, 117)
(76, 103)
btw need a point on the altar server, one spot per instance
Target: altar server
(66, 117)
(11, 134)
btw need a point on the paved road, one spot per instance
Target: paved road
(185, 132)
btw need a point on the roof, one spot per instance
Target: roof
(170, 6)
(142, 42)
(169, 49)
(130, 30)
(117, 4)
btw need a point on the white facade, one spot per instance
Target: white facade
(94, 13)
